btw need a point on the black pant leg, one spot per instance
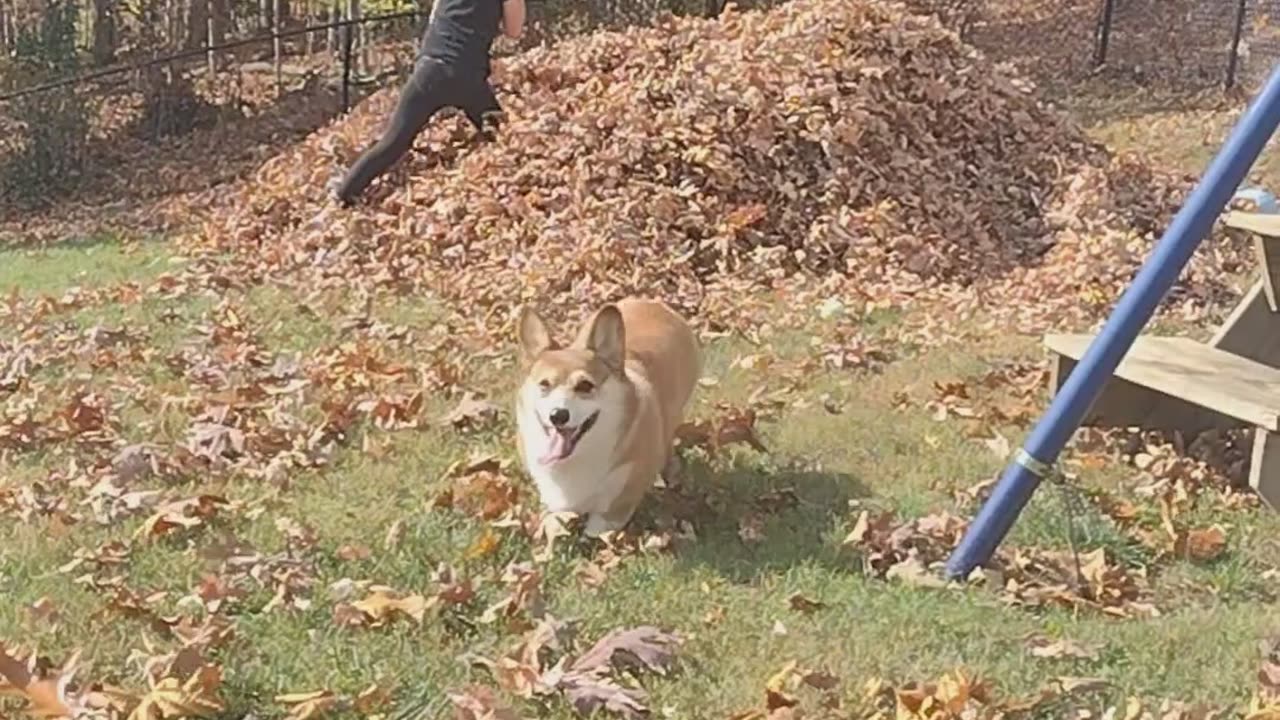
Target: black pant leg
(481, 104)
(423, 96)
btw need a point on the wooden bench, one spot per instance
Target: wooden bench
(1233, 381)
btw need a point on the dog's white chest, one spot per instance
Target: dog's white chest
(583, 484)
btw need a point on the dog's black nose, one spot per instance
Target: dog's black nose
(559, 417)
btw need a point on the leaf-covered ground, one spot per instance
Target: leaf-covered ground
(265, 468)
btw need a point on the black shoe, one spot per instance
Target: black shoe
(332, 188)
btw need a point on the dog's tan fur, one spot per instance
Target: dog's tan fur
(638, 361)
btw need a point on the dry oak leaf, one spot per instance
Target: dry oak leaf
(1044, 647)
(954, 695)
(776, 696)
(182, 514)
(381, 607)
(171, 698)
(520, 671)
(644, 648)
(800, 603)
(911, 571)
(732, 426)
(471, 413)
(1269, 671)
(587, 683)
(480, 703)
(525, 582)
(307, 706)
(1201, 545)
(589, 693)
(47, 696)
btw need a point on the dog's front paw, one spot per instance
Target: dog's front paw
(598, 525)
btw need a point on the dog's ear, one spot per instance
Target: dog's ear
(533, 335)
(604, 336)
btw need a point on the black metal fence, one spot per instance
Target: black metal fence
(1205, 40)
(210, 53)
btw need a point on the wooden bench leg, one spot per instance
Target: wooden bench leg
(1252, 330)
(1264, 470)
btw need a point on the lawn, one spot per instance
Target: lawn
(269, 471)
(754, 559)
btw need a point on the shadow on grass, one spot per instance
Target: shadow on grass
(752, 521)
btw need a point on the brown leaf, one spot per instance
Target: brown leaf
(733, 426)
(484, 546)
(803, 604)
(171, 697)
(310, 705)
(395, 533)
(1044, 647)
(589, 693)
(183, 514)
(776, 695)
(471, 413)
(381, 607)
(353, 553)
(46, 695)
(644, 648)
(480, 703)
(1202, 545)
(1269, 670)
(1072, 685)
(912, 572)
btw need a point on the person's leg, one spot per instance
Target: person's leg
(482, 109)
(422, 97)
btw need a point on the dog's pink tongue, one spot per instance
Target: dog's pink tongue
(557, 448)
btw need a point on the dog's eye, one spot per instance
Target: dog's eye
(544, 385)
(583, 387)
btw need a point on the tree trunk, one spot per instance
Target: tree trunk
(335, 14)
(104, 31)
(221, 10)
(197, 23)
(362, 56)
(5, 42)
(171, 22)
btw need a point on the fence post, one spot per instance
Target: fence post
(275, 45)
(208, 38)
(1235, 44)
(1104, 33)
(346, 34)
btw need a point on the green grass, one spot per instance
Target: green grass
(92, 262)
(871, 454)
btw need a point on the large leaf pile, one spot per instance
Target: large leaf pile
(847, 140)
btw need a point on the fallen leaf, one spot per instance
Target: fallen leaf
(381, 607)
(471, 413)
(1269, 670)
(1204, 545)
(590, 693)
(46, 695)
(353, 553)
(803, 604)
(1043, 647)
(480, 703)
(171, 697)
(307, 706)
(642, 648)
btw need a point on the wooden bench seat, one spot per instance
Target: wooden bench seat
(1172, 383)
(1227, 384)
(1233, 381)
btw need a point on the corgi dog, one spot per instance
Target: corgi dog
(596, 418)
